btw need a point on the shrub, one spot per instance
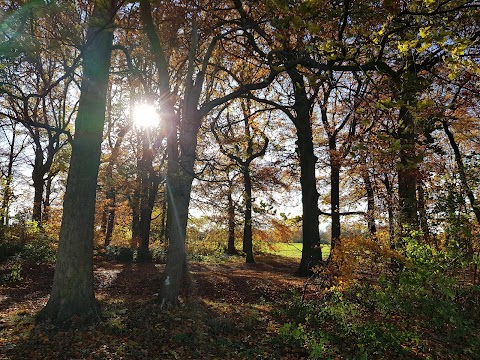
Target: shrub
(400, 316)
(14, 273)
(9, 247)
(159, 254)
(119, 253)
(27, 242)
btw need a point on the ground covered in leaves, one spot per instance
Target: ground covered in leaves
(254, 311)
(229, 317)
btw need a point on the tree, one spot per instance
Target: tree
(242, 152)
(39, 100)
(184, 125)
(72, 292)
(16, 143)
(339, 100)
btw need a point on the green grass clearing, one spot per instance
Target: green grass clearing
(294, 250)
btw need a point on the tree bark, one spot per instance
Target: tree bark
(108, 215)
(134, 204)
(311, 251)
(422, 211)
(180, 168)
(334, 190)
(372, 228)
(73, 292)
(407, 170)
(231, 250)
(461, 171)
(38, 184)
(47, 201)
(111, 205)
(163, 222)
(390, 210)
(179, 185)
(7, 186)
(148, 202)
(247, 227)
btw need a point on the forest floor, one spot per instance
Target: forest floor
(233, 313)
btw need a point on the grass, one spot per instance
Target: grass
(294, 250)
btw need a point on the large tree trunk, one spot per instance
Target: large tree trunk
(73, 293)
(311, 251)
(163, 221)
(407, 170)
(180, 170)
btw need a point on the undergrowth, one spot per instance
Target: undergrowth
(24, 245)
(421, 312)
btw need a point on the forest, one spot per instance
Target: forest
(239, 179)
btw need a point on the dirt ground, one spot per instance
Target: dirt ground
(228, 316)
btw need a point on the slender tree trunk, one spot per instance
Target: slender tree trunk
(73, 292)
(41, 167)
(135, 205)
(7, 195)
(146, 218)
(334, 190)
(38, 186)
(47, 201)
(7, 186)
(231, 250)
(422, 211)
(391, 218)
(372, 228)
(149, 183)
(247, 227)
(110, 215)
(247, 182)
(461, 171)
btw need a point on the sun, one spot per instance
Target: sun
(145, 116)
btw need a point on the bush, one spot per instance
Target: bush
(159, 255)
(28, 243)
(9, 247)
(14, 273)
(421, 312)
(119, 253)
